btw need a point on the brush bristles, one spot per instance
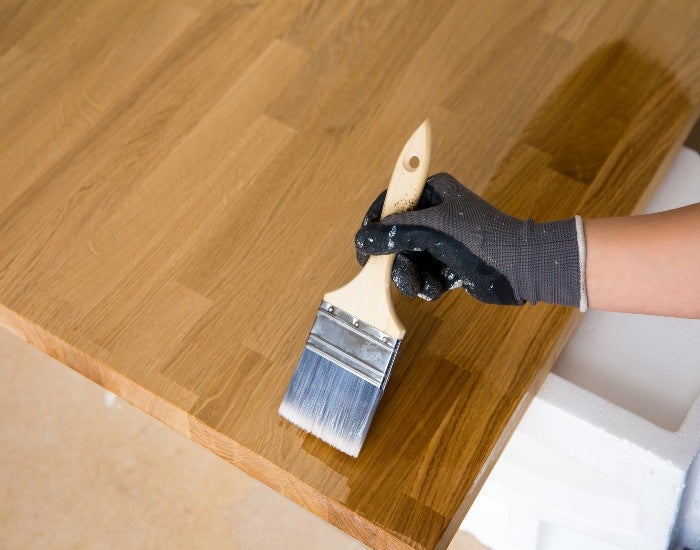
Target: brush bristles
(330, 402)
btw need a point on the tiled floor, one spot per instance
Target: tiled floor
(80, 468)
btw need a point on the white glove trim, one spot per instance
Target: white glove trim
(581, 240)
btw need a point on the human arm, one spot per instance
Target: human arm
(645, 264)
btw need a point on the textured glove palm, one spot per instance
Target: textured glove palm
(457, 239)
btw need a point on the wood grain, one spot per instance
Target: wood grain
(181, 182)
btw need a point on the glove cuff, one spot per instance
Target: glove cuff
(553, 257)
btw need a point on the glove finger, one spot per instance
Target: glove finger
(432, 283)
(387, 238)
(371, 216)
(451, 279)
(419, 274)
(374, 212)
(361, 257)
(406, 276)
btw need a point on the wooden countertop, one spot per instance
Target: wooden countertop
(181, 182)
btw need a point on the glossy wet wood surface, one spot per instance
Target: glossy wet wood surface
(181, 182)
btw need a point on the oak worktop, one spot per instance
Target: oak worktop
(181, 183)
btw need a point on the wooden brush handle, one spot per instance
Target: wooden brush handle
(368, 296)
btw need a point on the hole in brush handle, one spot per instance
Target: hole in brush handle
(411, 162)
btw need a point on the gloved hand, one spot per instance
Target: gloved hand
(456, 239)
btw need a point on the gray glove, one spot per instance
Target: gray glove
(456, 239)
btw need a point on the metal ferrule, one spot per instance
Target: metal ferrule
(352, 344)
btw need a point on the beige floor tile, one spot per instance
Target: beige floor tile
(80, 468)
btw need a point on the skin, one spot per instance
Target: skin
(645, 264)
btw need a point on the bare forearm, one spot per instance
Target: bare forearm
(645, 264)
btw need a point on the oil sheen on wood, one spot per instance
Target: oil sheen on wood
(181, 183)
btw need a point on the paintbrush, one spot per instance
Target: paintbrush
(347, 360)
